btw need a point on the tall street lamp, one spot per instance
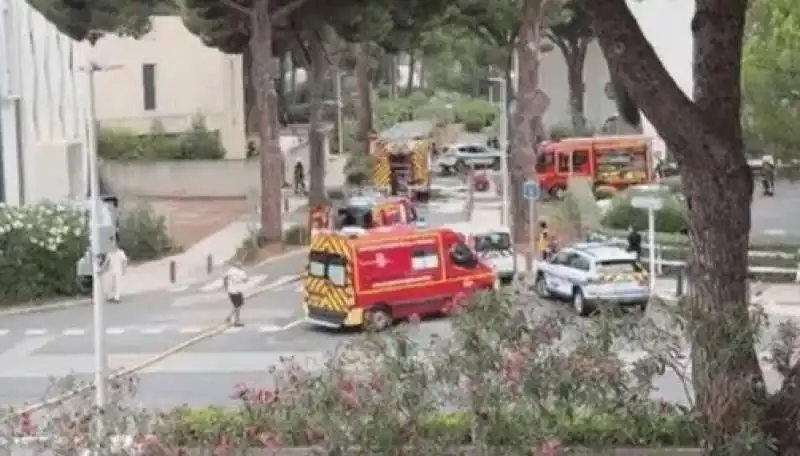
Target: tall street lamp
(503, 134)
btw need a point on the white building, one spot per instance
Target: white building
(169, 76)
(41, 121)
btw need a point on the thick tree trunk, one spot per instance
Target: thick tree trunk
(271, 159)
(576, 58)
(250, 105)
(391, 71)
(705, 137)
(281, 90)
(316, 159)
(412, 66)
(364, 109)
(523, 134)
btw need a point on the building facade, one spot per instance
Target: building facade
(168, 78)
(42, 109)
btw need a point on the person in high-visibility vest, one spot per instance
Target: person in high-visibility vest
(543, 242)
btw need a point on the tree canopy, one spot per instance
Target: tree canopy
(771, 76)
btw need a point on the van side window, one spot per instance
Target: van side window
(580, 158)
(423, 259)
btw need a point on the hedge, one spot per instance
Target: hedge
(197, 143)
(659, 426)
(788, 244)
(671, 218)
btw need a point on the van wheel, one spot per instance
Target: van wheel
(579, 303)
(496, 164)
(377, 319)
(558, 192)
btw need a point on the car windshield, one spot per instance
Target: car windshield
(492, 241)
(618, 267)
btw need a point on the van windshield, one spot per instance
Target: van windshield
(360, 216)
(328, 266)
(492, 242)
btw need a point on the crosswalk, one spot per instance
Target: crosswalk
(138, 330)
(256, 282)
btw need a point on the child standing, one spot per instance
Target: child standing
(234, 281)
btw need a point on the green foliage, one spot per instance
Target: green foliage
(672, 218)
(143, 234)
(771, 76)
(296, 235)
(41, 245)
(358, 169)
(198, 144)
(91, 19)
(475, 114)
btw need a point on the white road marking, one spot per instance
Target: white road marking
(234, 329)
(73, 332)
(115, 331)
(212, 286)
(269, 329)
(4, 332)
(282, 281)
(191, 330)
(293, 324)
(152, 330)
(253, 281)
(178, 288)
(35, 332)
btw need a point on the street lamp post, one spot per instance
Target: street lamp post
(503, 133)
(98, 299)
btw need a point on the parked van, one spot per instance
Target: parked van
(492, 243)
(366, 212)
(374, 277)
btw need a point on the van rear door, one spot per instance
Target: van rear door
(328, 283)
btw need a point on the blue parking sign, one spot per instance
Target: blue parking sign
(531, 190)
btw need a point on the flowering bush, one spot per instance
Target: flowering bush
(514, 378)
(39, 247)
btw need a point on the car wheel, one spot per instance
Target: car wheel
(540, 287)
(377, 319)
(579, 303)
(446, 170)
(461, 167)
(643, 306)
(496, 164)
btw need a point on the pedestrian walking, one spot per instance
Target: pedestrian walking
(113, 267)
(543, 243)
(233, 282)
(635, 242)
(299, 179)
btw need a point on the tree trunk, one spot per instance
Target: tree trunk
(575, 58)
(250, 105)
(412, 64)
(316, 159)
(364, 110)
(523, 133)
(293, 82)
(705, 138)
(281, 90)
(392, 73)
(271, 159)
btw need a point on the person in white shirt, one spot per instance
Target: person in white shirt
(234, 281)
(113, 267)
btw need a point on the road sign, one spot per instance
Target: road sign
(647, 202)
(531, 190)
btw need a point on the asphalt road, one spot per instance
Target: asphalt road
(37, 346)
(778, 214)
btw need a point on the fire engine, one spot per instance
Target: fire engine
(365, 212)
(616, 162)
(389, 273)
(402, 161)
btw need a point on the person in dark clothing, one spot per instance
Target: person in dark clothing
(299, 179)
(635, 242)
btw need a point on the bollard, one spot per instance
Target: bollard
(172, 271)
(209, 264)
(679, 282)
(286, 203)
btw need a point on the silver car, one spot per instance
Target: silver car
(458, 157)
(590, 275)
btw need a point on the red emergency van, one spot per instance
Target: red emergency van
(389, 273)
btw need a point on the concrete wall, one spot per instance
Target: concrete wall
(190, 79)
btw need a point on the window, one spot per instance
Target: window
(329, 266)
(544, 161)
(424, 259)
(492, 242)
(577, 261)
(560, 258)
(149, 86)
(580, 158)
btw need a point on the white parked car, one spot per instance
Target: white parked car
(457, 157)
(592, 275)
(492, 243)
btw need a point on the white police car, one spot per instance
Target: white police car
(593, 274)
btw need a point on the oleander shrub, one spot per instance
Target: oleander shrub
(143, 233)
(40, 245)
(672, 218)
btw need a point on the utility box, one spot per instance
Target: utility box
(108, 230)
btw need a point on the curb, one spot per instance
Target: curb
(28, 309)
